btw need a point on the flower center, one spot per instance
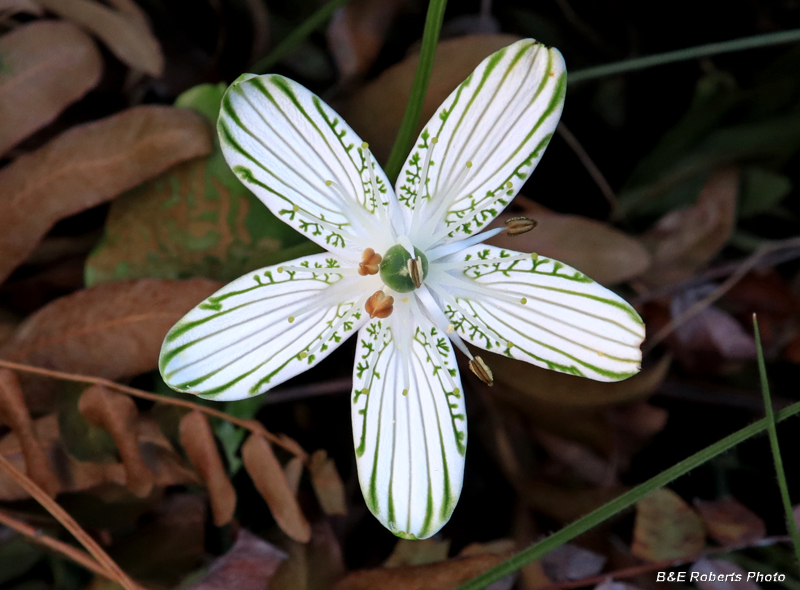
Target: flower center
(402, 272)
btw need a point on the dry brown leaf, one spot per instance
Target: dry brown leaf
(126, 38)
(666, 528)
(569, 390)
(249, 565)
(376, 110)
(357, 31)
(264, 469)
(11, 7)
(132, 11)
(111, 330)
(581, 460)
(595, 248)
(293, 472)
(76, 476)
(88, 165)
(570, 562)
(684, 240)
(14, 414)
(327, 483)
(445, 575)
(47, 66)
(117, 414)
(730, 522)
(315, 565)
(566, 504)
(201, 448)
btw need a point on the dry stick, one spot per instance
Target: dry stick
(61, 515)
(590, 166)
(747, 265)
(250, 425)
(73, 553)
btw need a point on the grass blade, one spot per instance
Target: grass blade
(622, 502)
(408, 127)
(773, 441)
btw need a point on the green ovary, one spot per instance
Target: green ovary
(394, 268)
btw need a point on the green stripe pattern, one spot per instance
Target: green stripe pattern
(410, 447)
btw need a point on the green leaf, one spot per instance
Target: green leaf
(762, 190)
(196, 219)
(232, 436)
(17, 557)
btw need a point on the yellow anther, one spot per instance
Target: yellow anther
(450, 328)
(434, 140)
(469, 164)
(365, 145)
(291, 319)
(523, 301)
(328, 182)
(296, 208)
(456, 391)
(509, 185)
(303, 355)
(534, 256)
(405, 392)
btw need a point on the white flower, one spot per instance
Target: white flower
(404, 268)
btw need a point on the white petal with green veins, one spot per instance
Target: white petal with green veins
(285, 144)
(500, 119)
(240, 341)
(552, 315)
(410, 447)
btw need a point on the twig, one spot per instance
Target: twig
(69, 523)
(590, 166)
(35, 535)
(250, 425)
(745, 267)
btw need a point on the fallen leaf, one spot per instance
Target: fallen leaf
(720, 574)
(14, 414)
(47, 65)
(569, 390)
(356, 34)
(315, 565)
(264, 469)
(566, 504)
(117, 414)
(375, 111)
(112, 330)
(132, 11)
(132, 43)
(249, 565)
(11, 7)
(686, 239)
(408, 552)
(597, 249)
(582, 461)
(445, 575)
(196, 219)
(88, 165)
(729, 522)
(76, 476)
(198, 441)
(666, 528)
(327, 483)
(570, 562)
(293, 472)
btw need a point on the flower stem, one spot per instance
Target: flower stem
(622, 502)
(773, 441)
(648, 61)
(408, 127)
(285, 47)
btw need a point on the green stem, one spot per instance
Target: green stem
(408, 127)
(640, 63)
(622, 502)
(773, 441)
(296, 37)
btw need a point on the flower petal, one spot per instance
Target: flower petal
(409, 448)
(500, 119)
(285, 144)
(242, 340)
(553, 315)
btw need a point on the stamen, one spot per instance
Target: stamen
(352, 205)
(423, 183)
(452, 248)
(437, 317)
(482, 370)
(415, 271)
(379, 305)
(333, 227)
(373, 358)
(370, 263)
(335, 270)
(468, 285)
(447, 199)
(520, 225)
(405, 242)
(435, 349)
(336, 294)
(469, 317)
(481, 261)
